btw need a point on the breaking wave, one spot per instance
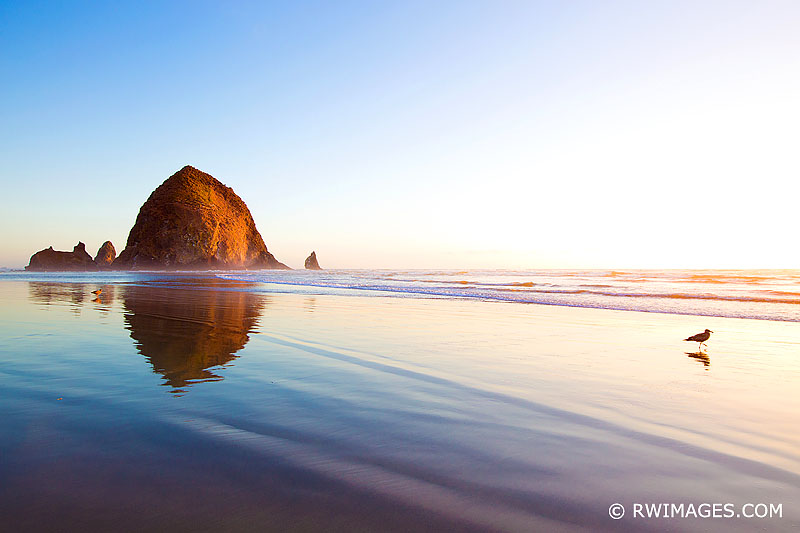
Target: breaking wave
(768, 295)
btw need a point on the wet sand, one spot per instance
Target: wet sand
(203, 405)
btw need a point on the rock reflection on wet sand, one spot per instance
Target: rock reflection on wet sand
(185, 332)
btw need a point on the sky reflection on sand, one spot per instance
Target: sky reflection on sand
(340, 413)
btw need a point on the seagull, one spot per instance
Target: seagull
(700, 337)
(97, 292)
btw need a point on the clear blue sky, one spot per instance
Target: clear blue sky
(414, 134)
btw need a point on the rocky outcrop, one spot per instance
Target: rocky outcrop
(194, 222)
(53, 260)
(311, 262)
(105, 255)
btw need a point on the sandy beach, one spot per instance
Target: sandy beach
(198, 404)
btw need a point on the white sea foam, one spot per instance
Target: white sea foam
(768, 295)
(762, 294)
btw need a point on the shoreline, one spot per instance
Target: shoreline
(770, 307)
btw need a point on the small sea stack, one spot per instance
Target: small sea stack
(105, 255)
(311, 262)
(54, 260)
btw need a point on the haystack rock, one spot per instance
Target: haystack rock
(105, 255)
(311, 262)
(194, 222)
(50, 259)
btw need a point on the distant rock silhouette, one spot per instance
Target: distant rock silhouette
(311, 262)
(105, 255)
(194, 222)
(50, 259)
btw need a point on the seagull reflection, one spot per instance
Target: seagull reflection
(701, 357)
(186, 332)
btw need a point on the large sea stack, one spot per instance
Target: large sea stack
(55, 260)
(194, 222)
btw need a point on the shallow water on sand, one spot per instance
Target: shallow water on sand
(205, 404)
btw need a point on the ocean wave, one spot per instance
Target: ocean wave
(483, 290)
(553, 289)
